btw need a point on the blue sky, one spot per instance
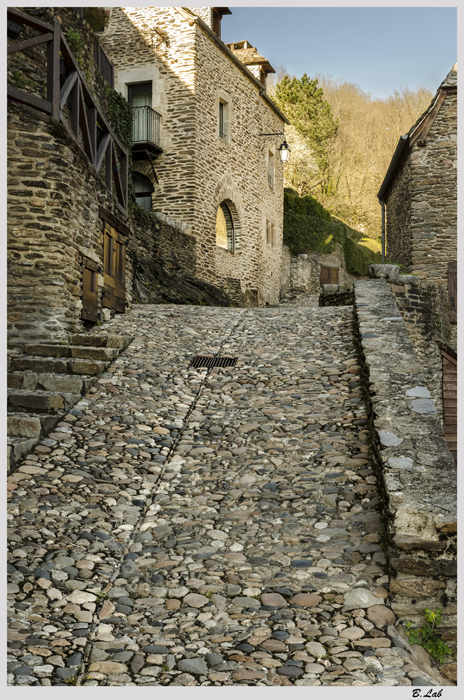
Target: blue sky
(378, 48)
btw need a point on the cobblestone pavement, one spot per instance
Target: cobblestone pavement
(195, 527)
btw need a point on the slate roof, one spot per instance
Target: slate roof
(450, 81)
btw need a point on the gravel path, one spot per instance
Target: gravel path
(195, 527)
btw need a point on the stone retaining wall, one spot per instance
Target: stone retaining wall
(302, 273)
(424, 310)
(415, 469)
(336, 298)
(54, 196)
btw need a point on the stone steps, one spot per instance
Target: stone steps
(18, 448)
(74, 384)
(86, 352)
(47, 380)
(57, 365)
(41, 401)
(30, 425)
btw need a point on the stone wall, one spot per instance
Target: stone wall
(424, 310)
(415, 469)
(54, 196)
(198, 169)
(32, 61)
(422, 201)
(301, 273)
(434, 197)
(158, 238)
(54, 200)
(336, 298)
(398, 238)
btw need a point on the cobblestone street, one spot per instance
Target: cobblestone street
(216, 527)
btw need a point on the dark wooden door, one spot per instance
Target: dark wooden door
(114, 270)
(450, 401)
(89, 290)
(329, 275)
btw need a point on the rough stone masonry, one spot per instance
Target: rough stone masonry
(209, 527)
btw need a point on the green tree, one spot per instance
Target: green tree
(302, 100)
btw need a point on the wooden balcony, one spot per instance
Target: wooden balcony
(69, 101)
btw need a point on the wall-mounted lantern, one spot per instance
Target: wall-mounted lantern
(284, 149)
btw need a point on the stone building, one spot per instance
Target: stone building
(76, 249)
(419, 193)
(200, 155)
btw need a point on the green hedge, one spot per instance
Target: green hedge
(304, 205)
(303, 233)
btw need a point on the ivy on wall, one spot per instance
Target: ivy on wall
(120, 115)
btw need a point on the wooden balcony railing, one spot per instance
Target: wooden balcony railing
(86, 124)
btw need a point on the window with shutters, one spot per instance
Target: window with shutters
(114, 270)
(90, 271)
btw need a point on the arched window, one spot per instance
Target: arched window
(225, 237)
(142, 189)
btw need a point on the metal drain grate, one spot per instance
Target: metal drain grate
(210, 361)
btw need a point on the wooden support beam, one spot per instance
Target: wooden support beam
(53, 70)
(109, 167)
(75, 102)
(84, 124)
(124, 177)
(67, 87)
(93, 132)
(106, 138)
(31, 100)
(28, 43)
(21, 18)
(117, 178)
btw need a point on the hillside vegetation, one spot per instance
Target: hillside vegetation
(308, 227)
(342, 141)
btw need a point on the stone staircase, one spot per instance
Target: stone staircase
(47, 379)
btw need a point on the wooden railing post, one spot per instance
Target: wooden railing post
(53, 70)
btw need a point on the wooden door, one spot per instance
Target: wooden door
(450, 401)
(89, 290)
(114, 270)
(329, 275)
